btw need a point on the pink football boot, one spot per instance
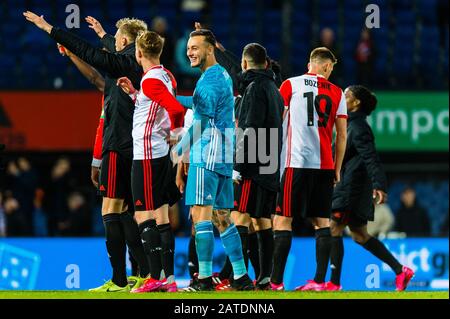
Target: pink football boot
(402, 280)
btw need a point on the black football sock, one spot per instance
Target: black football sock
(134, 264)
(115, 244)
(380, 251)
(282, 240)
(243, 233)
(265, 241)
(151, 241)
(167, 251)
(323, 245)
(253, 252)
(193, 258)
(336, 258)
(227, 270)
(134, 243)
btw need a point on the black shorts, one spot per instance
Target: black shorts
(348, 218)
(306, 192)
(352, 202)
(153, 184)
(115, 176)
(251, 198)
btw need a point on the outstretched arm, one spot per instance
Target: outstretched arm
(88, 71)
(107, 40)
(116, 65)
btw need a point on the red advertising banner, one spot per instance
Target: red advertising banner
(49, 121)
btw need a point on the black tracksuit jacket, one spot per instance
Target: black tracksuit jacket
(361, 169)
(119, 107)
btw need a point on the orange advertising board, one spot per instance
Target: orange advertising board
(49, 121)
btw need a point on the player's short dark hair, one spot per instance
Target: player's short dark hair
(256, 53)
(322, 53)
(209, 36)
(368, 100)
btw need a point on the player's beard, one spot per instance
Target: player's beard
(201, 62)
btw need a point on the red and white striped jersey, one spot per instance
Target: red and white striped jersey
(313, 103)
(156, 112)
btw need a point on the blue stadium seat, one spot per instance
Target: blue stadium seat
(427, 10)
(355, 18)
(382, 4)
(329, 18)
(11, 30)
(403, 5)
(7, 62)
(354, 4)
(220, 4)
(116, 11)
(330, 5)
(301, 19)
(404, 18)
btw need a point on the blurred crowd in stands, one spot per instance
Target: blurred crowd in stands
(412, 38)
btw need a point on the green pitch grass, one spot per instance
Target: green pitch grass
(225, 295)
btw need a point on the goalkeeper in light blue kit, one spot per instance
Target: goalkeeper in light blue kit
(210, 142)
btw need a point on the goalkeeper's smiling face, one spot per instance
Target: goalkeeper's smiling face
(197, 51)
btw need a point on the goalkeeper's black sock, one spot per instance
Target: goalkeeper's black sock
(115, 244)
(134, 243)
(323, 245)
(192, 256)
(380, 251)
(227, 269)
(167, 251)
(151, 241)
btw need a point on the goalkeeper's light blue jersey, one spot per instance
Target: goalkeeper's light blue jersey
(213, 98)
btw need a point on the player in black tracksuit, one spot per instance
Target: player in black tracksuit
(259, 105)
(117, 148)
(363, 184)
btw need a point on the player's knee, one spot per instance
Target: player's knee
(320, 222)
(142, 216)
(242, 219)
(282, 223)
(260, 224)
(221, 219)
(359, 236)
(112, 205)
(336, 229)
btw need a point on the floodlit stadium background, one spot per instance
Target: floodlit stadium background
(48, 111)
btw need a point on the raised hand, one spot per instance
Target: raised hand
(64, 51)
(38, 21)
(197, 26)
(379, 196)
(126, 85)
(96, 26)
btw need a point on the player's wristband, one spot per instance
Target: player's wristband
(96, 162)
(236, 176)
